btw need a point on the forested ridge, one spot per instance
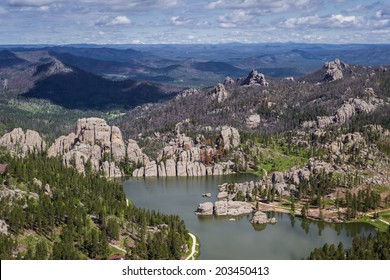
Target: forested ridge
(53, 212)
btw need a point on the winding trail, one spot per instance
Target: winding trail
(193, 248)
(119, 248)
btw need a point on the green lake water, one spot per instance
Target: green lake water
(221, 238)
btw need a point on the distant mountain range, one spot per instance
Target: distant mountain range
(125, 76)
(205, 65)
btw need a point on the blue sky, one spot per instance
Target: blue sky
(185, 21)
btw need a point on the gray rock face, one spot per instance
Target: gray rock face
(135, 154)
(93, 141)
(3, 227)
(184, 157)
(21, 143)
(62, 145)
(253, 121)
(232, 208)
(110, 170)
(57, 67)
(277, 177)
(186, 93)
(255, 78)
(219, 93)
(229, 81)
(259, 218)
(151, 169)
(230, 137)
(334, 70)
(349, 109)
(205, 209)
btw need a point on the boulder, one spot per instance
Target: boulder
(232, 208)
(222, 195)
(221, 208)
(259, 218)
(253, 121)
(204, 209)
(3, 227)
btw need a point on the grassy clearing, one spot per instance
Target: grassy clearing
(379, 225)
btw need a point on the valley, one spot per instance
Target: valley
(307, 137)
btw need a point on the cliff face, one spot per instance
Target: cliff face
(94, 141)
(185, 157)
(21, 143)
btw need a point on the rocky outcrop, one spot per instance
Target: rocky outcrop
(16, 194)
(232, 208)
(55, 67)
(95, 145)
(253, 121)
(229, 81)
(334, 70)
(205, 209)
(184, 156)
(186, 93)
(62, 145)
(230, 137)
(219, 93)
(255, 78)
(135, 154)
(349, 109)
(3, 227)
(21, 143)
(110, 170)
(260, 218)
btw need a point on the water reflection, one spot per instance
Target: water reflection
(237, 238)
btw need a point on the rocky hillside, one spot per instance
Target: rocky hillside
(335, 94)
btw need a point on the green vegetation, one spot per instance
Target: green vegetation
(49, 120)
(77, 216)
(363, 248)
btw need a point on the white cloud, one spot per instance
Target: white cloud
(119, 20)
(265, 6)
(235, 18)
(44, 8)
(32, 3)
(180, 21)
(134, 4)
(332, 21)
(344, 21)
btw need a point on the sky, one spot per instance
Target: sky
(193, 22)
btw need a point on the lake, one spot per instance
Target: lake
(221, 238)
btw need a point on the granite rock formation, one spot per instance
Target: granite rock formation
(21, 143)
(94, 142)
